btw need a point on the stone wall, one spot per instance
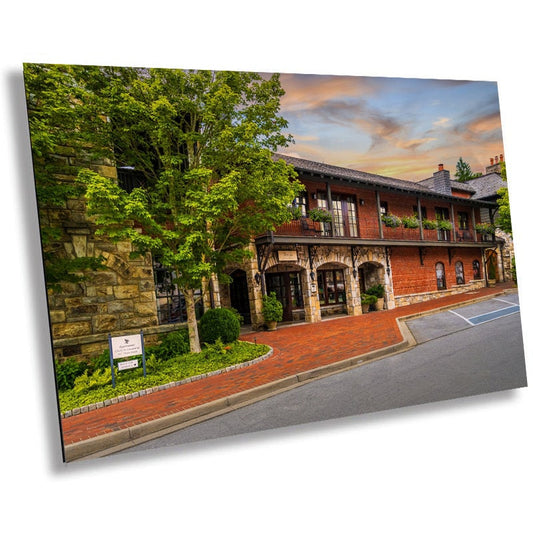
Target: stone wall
(118, 299)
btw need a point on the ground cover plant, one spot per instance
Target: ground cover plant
(93, 384)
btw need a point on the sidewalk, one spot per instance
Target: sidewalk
(300, 352)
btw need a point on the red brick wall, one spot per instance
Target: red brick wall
(398, 204)
(410, 277)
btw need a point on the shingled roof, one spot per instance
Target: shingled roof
(348, 174)
(487, 186)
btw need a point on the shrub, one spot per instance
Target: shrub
(368, 299)
(173, 344)
(220, 324)
(319, 215)
(272, 308)
(410, 222)
(376, 290)
(68, 371)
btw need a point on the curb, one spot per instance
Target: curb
(115, 441)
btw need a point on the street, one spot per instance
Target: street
(474, 349)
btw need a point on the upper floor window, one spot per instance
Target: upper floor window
(300, 204)
(462, 220)
(423, 210)
(383, 208)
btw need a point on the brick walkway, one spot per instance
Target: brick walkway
(296, 348)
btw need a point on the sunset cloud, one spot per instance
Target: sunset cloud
(392, 126)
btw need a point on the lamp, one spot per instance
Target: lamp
(312, 276)
(354, 273)
(257, 278)
(361, 201)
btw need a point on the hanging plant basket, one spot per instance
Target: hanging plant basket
(320, 215)
(391, 221)
(485, 228)
(445, 225)
(410, 222)
(429, 224)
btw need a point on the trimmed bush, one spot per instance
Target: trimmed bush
(220, 324)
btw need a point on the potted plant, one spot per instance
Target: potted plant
(429, 224)
(272, 311)
(391, 221)
(319, 215)
(379, 292)
(367, 300)
(485, 229)
(410, 222)
(444, 225)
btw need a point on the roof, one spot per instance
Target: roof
(487, 186)
(454, 184)
(359, 177)
(350, 174)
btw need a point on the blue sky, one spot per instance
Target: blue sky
(396, 127)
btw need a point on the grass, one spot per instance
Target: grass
(89, 389)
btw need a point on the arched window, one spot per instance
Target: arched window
(459, 273)
(476, 268)
(441, 276)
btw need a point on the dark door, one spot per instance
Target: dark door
(238, 291)
(280, 284)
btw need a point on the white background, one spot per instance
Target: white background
(462, 465)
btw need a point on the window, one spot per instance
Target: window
(129, 179)
(171, 306)
(423, 211)
(441, 276)
(442, 213)
(300, 202)
(331, 288)
(459, 273)
(463, 220)
(383, 208)
(476, 268)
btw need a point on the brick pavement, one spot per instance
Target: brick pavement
(296, 349)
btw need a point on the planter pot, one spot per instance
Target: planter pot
(492, 282)
(380, 304)
(271, 325)
(365, 307)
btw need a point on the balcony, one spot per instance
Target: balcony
(304, 228)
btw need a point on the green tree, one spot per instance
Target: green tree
(503, 219)
(56, 135)
(463, 172)
(202, 141)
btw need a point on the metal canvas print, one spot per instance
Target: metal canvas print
(229, 252)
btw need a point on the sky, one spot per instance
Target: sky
(396, 127)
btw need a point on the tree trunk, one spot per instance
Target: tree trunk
(194, 338)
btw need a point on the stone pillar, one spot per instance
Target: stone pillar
(310, 294)
(353, 300)
(255, 295)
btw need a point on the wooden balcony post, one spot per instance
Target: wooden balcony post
(420, 221)
(380, 224)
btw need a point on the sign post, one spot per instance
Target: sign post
(125, 347)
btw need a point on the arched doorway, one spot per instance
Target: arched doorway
(331, 283)
(370, 274)
(238, 291)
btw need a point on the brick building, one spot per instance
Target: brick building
(317, 269)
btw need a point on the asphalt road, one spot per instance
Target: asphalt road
(475, 349)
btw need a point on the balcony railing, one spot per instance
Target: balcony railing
(305, 227)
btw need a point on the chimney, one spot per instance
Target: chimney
(491, 161)
(501, 158)
(496, 159)
(441, 181)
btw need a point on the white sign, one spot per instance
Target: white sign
(124, 365)
(126, 346)
(287, 255)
